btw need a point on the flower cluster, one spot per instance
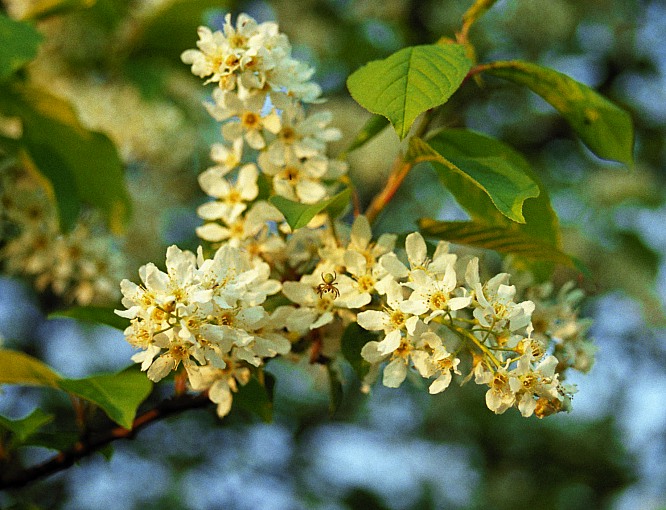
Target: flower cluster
(260, 100)
(82, 266)
(427, 321)
(430, 314)
(205, 314)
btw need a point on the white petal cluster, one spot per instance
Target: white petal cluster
(206, 315)
(260, 103)
(426, 316)
(531, 385)
(250, 55)
(432, 316)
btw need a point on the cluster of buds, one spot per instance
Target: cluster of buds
(222, 318)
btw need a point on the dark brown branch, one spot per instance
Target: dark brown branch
(83, 448)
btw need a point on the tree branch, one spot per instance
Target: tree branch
(83, 448)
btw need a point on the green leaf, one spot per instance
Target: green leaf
(118, 395)
(82, 166)
(20, 368)
(299, 215)
(96, 314)
(505, 240)
(459, 144)
(179, 19)
(19, 44)
(541, 220)
(353, 340)
(506, 185)
(372, 128)
(257, 398)
(606, 129)
(23, 428)
(409, 82)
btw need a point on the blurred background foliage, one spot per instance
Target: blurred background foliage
(117, 63)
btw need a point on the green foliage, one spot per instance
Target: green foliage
(257, 398)
(19, 42)
(606, 129)
(462, 144)
(298, 215)
(506, 185)
(94, 314)
(24, 428)
(20, 368)
(118, 395)
(541, 222)
(505, 240)
(81, 165)
(409, 82)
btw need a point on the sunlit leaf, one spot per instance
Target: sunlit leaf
(606, 129)
(501, 239)
(409, 82)
(20, 368)
(541, 220)
(460, 144)
(96, 314)
(299, 215)
(506, 185)
(19, 42)
(118, 395)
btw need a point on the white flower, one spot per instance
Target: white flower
(433, 293)
(317, 309)
(417, 255)
(294, 76)
(296, 179)
(240, 231)
(361, 237)
(220, 383)
(304, 137)
(393, 321)
(248, 51)
(246, 117)
(368, 277)
(226, 157)
(529, 383)
(499, 397)
(445, 363)
(494, 305)
(231, 198)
